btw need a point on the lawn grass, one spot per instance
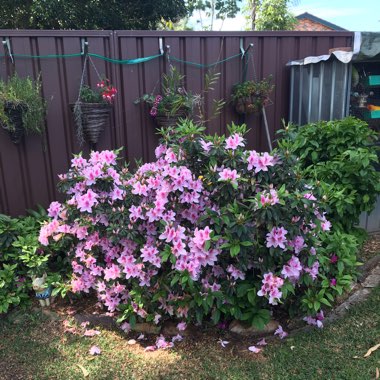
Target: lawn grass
(38, 350)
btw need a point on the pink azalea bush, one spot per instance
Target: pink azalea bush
(208, 230)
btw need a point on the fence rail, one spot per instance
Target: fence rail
(28, 172)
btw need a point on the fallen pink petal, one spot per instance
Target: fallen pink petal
(177, 338)
(150, 348)
(91, 333)
(281, 333)
(181, 326)
(261, 342)
(254, 349)
(223, 343)
(95, 350)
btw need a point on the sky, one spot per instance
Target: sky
(353, 15)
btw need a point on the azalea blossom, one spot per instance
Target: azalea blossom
(271, 288)
(229, 175)
(293, 269)
(206, 146)
(234, 141)
(277, 237)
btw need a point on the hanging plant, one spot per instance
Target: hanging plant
(176, 103)
(92, 110)
(22, 108)
(173, 104)
(251, 96)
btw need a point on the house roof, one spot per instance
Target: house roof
(319, 20)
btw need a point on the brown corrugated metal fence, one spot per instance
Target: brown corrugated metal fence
(28, 171)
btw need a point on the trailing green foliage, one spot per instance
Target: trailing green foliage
(22, 257)
(339, 158)
(27, 93)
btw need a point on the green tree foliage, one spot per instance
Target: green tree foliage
(89, 14)
(269, 14)
(213, 9)
(274, 15)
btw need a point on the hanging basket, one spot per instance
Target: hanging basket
(14, 112)
(165, 121)
(91, 119)
(249, 104)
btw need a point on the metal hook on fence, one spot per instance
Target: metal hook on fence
(84, 44)
(7, 48)
(167, 52)
(242, 50)
(161, 46)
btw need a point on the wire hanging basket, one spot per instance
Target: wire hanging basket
(91, 118)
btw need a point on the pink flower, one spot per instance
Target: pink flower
(112, 272)
(269, 199)
(87, 201)
(234, 141)
(95, 350)
(235, 273)
(276, 238)
(271, 288)
(260, 162)
(314, 270)
(54, 209)
(334, 259)
(181, 326)
(206, 145)
(229, 175)
(254, 349)
(252, 159)
(333, 282)
(298, 243)
(281, 333)
(292, 270)
(160, 150)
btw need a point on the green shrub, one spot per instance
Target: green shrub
(338, 157)
(21, 256)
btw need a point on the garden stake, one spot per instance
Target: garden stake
(266, 128)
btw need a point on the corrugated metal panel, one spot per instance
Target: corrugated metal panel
(28, 172)
(319, 91)
(371, 222)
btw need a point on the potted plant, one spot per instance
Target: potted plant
(174, 103)
(92, 110)
(250, 96)
(23, 109)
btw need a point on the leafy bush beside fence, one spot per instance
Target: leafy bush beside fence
(22, 257)
(339, 157)
(208, 230)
